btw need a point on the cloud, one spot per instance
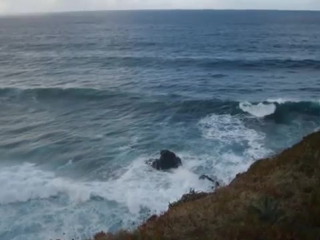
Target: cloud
(26, 6)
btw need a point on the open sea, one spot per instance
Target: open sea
(86, 98)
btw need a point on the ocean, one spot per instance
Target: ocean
(86, 98)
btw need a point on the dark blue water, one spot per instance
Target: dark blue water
(86, 98)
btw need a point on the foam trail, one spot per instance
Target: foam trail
(260, 110)
(142, 186)
(25, 182)
(138, 187)
(229, 131)
(116, 203)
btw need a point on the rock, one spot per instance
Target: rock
(168, 160)
(215, 181)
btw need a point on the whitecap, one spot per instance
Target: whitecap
(138, 187)
(226, 130)
(80, 208)
(26, 182)
(258, 110)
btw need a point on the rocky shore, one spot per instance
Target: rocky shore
(276, 199)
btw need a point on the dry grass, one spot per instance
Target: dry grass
(276, 199)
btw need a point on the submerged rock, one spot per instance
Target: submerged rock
(168, 160)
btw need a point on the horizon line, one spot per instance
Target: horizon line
(151, 9)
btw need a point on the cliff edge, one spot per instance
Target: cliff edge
(276, 199)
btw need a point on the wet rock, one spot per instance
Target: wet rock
(215, 181)
(168, 160)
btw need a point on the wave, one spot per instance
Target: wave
(195, 62)
(136, 188)
(258, 110)
(231, 130)
(266, 63)
(281, 110)
(123, 201)
(58, 93)
(28, 182)
(205, 62)
(270, 108)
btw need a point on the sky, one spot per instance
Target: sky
(30, 6)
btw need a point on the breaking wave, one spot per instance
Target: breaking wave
(280, 110)
(258, 110)
(272, 108)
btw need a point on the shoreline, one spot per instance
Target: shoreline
(277, 198)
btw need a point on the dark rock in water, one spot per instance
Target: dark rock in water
(168, 160)
(215, 181)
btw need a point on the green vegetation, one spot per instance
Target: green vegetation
(276, 199)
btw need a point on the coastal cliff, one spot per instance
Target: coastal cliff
(276, 199)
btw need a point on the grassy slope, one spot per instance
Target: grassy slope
(276, 199)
